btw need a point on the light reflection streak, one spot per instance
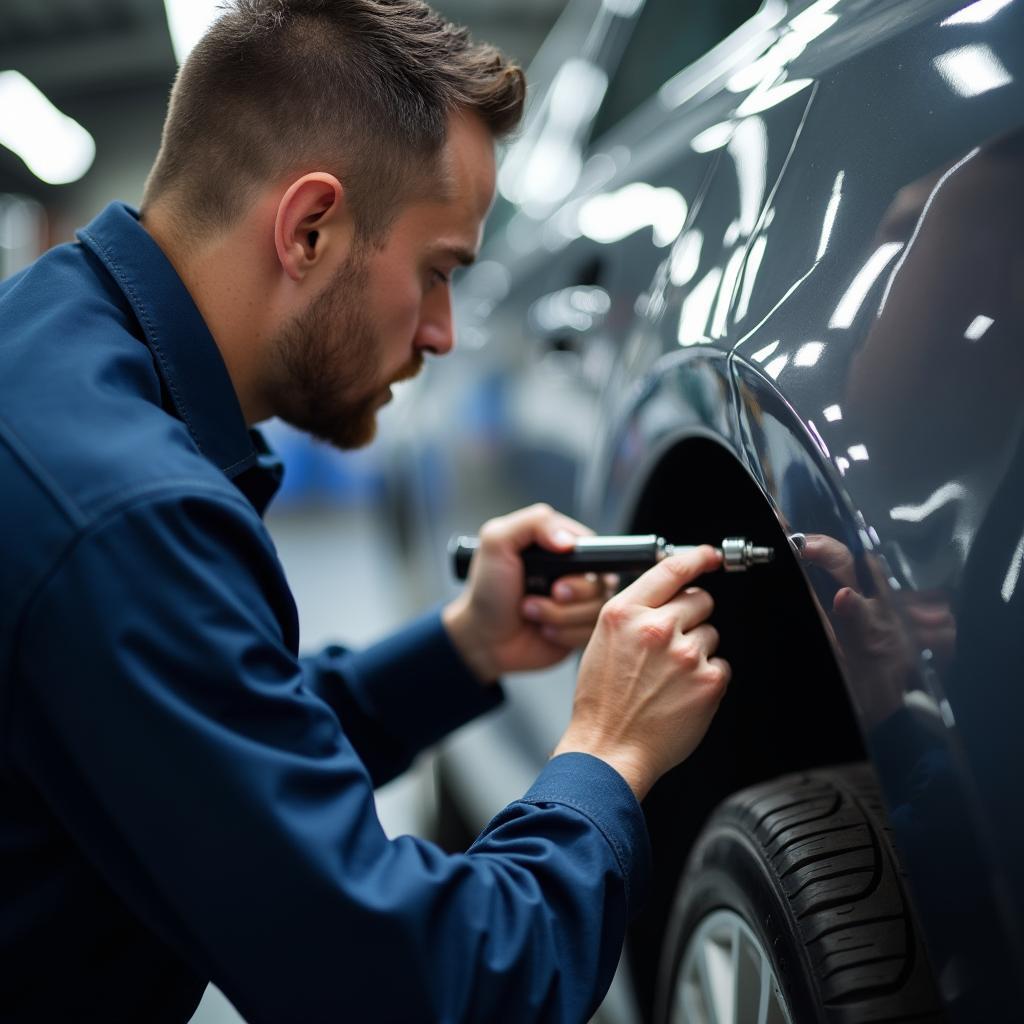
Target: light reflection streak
(818, 439)
(749, 149)
(763, 353)
(685, 260)
(776, 366)
(1013, 573)
(977, 327)
(850, 303)
(830, 214)
(920, 220)
(693, 319)
(809, 353)
(725, 293)
(972, 70)
(832, 413)
(948, 492)
(858, 452)
(842, 465)
(610, 217)
(976, 13)
(750, 273)
(712, 138)
(764, 99)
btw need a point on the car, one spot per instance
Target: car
(758, 270)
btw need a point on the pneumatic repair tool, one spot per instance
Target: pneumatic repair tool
(625, 555)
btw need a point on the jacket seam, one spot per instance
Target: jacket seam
(39, 476)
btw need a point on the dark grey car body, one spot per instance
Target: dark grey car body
(786, 295)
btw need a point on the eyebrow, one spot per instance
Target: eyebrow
(462, 255)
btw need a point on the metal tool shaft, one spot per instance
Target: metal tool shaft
(625, 555)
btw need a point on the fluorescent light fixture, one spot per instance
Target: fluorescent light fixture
(850, 303)
(55, 148)
(978, 326)
(187, 21)
(978, 12)
(972, 70)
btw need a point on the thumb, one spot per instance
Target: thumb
(537, 524)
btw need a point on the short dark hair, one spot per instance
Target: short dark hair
(362, 88)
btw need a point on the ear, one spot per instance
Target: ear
(312, 220)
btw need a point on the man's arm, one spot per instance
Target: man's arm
(400, 695)
(170, 729)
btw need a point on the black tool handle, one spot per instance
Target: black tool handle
(625, 555)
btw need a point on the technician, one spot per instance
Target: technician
(182, 797)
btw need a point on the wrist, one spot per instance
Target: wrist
(628, 765)
(465, 637)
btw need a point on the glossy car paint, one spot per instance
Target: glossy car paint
(809, 250)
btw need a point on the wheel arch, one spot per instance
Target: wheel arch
(787, 708)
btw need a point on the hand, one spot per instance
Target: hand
(494, 625)
(875, 644)
(648, 683)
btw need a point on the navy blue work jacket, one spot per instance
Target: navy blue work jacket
(184, 798)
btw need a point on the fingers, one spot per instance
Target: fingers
(537, 524)
(690, 608)
(665, 580)
(831, 555)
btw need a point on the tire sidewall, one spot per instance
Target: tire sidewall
(726, 872)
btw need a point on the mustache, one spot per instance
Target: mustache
(410, 370)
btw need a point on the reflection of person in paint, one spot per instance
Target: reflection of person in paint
(880, 640)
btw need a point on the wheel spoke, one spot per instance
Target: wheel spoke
(726, 977)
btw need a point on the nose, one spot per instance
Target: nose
(436, 330)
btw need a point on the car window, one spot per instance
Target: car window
(669, 35)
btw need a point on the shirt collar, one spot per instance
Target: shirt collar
(186, 355)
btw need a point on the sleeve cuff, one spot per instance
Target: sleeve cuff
(417, 683)
(596, 790)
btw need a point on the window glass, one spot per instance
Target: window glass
(669, 35)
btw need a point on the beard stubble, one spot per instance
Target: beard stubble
(330, 356)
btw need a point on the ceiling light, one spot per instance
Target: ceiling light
(187, 21)
(55, 148)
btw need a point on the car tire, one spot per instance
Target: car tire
(795, 887)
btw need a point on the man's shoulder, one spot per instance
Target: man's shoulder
(82, 406)
(83, 424)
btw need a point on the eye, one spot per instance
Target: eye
(439, 277)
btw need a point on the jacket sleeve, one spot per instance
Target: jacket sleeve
(399, 696)
(168, 726)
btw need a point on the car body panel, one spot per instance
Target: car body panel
(809, 251)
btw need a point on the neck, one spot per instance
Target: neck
(231, 302)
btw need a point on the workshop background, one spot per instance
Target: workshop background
(83, 91)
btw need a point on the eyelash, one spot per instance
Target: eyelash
(440, 278)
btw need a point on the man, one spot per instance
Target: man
(183, 797)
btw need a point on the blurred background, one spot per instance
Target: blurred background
(83, 91)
